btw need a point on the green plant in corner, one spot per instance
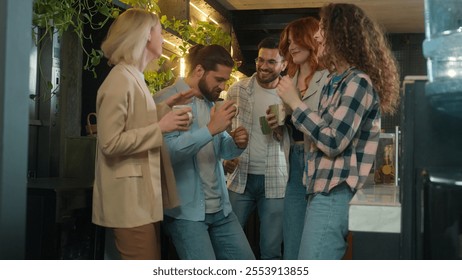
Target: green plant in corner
(202, 32)
(157, 80)
(59, 16)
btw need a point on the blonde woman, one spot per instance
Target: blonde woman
(130, 160)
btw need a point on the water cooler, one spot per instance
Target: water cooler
(431, 163)
(443, 50)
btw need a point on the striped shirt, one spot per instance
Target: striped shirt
(344, 132)
(276, 173)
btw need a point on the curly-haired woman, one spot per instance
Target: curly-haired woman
(345, 130)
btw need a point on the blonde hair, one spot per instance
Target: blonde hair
(128, 35)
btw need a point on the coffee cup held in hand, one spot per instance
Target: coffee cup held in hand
(279, 111)
(181, 108)
(265, 128)
(220, 103)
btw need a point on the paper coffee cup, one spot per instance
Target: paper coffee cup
(220, 103)
(279, 111)
(182, 107)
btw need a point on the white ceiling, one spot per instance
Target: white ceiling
(396, 16)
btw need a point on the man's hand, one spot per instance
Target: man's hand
(220, 119)
(271, 119)
(230, 165)
(241, 137)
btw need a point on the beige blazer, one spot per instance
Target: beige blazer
(132, 171)
(311, 99)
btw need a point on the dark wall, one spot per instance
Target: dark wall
(407, 49)
(252, 26)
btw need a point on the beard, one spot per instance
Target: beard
(266, 77)
(210, 94)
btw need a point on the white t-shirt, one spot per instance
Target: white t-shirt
(258, 141)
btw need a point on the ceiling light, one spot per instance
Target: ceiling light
(203, 13)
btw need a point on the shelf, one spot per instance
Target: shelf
(375, 208)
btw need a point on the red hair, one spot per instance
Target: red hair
(302, 31)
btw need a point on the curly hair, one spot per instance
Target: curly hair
(352, 37)
(302, 31)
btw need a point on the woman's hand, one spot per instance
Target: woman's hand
(180, 98)
(176, 120)
(288, 93)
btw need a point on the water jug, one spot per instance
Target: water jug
(443, 49)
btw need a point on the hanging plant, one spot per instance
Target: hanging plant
(156, 80)
(202, 32)
(59, 16)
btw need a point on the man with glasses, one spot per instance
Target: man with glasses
(258, 178)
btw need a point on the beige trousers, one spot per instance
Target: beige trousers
(138, 243)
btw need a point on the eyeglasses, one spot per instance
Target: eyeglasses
(271, 62)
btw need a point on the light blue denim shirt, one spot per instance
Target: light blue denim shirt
(183, 147)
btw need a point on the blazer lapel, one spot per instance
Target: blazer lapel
(313, 88)
(149, 101)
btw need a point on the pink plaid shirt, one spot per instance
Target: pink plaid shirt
(344, 132)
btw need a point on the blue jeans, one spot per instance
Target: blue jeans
(294, 204)
(269, 213)
(218, 237)
(326, 225)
